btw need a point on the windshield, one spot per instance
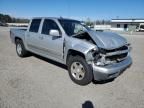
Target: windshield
(72, 27)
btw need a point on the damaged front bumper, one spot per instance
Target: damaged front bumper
(110, 71)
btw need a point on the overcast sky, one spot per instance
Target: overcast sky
(78, 9)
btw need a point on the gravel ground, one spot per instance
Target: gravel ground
(35, 82)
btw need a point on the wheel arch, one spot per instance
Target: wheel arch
(17, 38)
(72, 52)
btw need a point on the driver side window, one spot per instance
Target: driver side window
(49, 25)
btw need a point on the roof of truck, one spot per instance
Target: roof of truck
(57, 18)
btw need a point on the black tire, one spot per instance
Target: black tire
(88, 76)
(23, 51)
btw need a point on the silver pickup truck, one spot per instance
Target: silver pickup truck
(89, 55)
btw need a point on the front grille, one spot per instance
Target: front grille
(118, 49)
(112, 56)
(117, 57)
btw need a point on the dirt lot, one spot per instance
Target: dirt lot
(34, 82)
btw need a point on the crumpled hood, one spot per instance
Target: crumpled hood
(107, 40)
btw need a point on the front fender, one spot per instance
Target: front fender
(79, 46)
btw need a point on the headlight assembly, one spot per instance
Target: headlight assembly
(91, 55)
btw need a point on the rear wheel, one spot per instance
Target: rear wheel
(79, 71)
(20, 49)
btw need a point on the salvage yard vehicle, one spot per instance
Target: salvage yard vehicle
(89, 55)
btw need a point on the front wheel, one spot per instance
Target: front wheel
(79, 71)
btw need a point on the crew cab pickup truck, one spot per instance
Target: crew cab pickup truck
(89, 55)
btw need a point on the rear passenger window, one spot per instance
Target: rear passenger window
(49, 25)
(35, 25)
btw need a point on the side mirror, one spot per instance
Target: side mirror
(54, 33)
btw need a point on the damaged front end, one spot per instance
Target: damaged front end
(108, 64)
(103, 57)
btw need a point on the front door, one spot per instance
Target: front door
(51, 45)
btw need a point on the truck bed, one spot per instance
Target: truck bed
(17, 32)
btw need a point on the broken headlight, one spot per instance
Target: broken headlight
(92, 55)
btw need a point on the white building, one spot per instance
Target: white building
(18, 24)
(125, 24)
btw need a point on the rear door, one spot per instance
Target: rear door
(32, 36)
(51, 45)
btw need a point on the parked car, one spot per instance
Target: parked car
(89, 55)
(140, 27)
(3, 24)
